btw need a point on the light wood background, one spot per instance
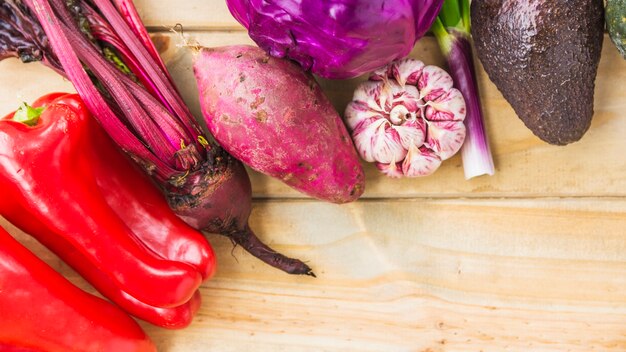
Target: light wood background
(531, 259)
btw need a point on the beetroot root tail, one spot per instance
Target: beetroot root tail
(253, 245)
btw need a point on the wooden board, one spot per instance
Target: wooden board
(192, 14)
(531, 259)
(419, 275)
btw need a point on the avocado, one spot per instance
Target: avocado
(616, 23)
(543, 56)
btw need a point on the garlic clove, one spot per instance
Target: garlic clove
(382, 74)
(375, 140)
(445, 137)
(406, 71)
(433, 82)
(364, 135)
(370, 93)
(420, 162)
(385, 98)
(357, 112)
(449, 106)
(392, 170)
(387, 145)
(412, 133)
(407, 96)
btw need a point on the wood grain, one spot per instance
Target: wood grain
(192, 14)
(531, 259)
(418, 275)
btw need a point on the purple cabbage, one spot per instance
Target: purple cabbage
(337, 38)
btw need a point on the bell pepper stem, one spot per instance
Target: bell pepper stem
(28, 115)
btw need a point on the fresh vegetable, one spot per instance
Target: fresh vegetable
(21, 35)
(103, 48)
(543, 56)
(452, 29)
(616, 23)
(271, 115)
(336, 38)
(407, 118)
(42, 311)
(65, 183)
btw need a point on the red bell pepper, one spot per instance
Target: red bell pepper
(41, 311)
(141, 205)
(68, 186)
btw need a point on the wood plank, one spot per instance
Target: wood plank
(192, 14)
(418, 275)
(525, 166)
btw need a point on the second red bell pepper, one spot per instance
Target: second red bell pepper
(41, 311)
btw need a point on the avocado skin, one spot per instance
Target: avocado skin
(543, 56)
(616, 23)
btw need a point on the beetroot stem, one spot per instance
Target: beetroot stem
(110, 78)
(158, 77)
(101, 30)
(160, 131)
(251, 243)
(91, 96)
(127, 9)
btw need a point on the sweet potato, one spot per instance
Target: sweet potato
(270, 114)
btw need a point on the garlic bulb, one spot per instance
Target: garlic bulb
(407, 118)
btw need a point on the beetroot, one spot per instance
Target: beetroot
(273, 116)
(217, 198)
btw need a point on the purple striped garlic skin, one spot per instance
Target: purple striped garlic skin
(407, 118)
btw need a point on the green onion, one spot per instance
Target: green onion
(452, 29)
